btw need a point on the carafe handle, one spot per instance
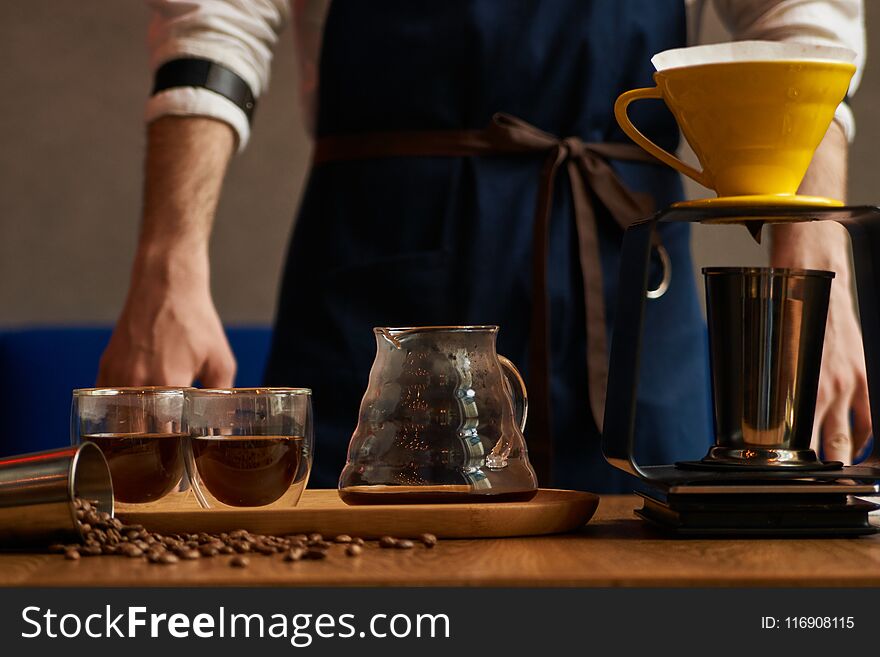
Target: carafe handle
(517, 388)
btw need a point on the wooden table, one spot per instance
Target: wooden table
(614, 549)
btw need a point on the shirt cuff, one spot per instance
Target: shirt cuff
(197, 101)
(844, 117)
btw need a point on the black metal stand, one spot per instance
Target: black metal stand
(670, 481)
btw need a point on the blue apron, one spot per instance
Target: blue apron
(413, 241)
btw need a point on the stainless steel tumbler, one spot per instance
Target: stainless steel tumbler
(766, 330)
(37, 493)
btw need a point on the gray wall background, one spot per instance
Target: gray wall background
(74, 80)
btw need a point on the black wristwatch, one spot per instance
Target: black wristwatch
(194, 72)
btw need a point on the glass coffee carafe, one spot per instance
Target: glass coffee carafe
(441, 421)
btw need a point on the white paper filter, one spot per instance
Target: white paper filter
(749, 51)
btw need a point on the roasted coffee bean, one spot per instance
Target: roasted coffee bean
(294, 555)
(227, 549)
(353, 550)
(321, 545)
(168, 558)
(314, 554)
(85, 528)
(343, 538)
(190, 554)
(264, 549)
(316, 537)
(357, 540)
(131, 551)
(404, 545)
(72, 555)
(239, 561)
(241, 547)
(209, 551)
(153, 556)
(429, 540)
(91, 550)
(387, 542)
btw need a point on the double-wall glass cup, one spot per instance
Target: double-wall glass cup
(140, 431)
(249, 447)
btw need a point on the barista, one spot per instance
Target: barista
(415, 214)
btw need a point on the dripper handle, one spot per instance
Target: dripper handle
(636, 135)
(517, 388)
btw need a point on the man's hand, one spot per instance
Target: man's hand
(843, 387)
(169, 332)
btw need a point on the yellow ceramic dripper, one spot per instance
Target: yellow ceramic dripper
(753, 112)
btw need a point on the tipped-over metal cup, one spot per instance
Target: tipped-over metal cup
(766, 329)
(38, 492)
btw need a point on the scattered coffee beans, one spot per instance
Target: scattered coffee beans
(102, 534)
(387, 542)
(294, 554)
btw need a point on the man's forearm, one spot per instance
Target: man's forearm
(818, 245)
(185, 164)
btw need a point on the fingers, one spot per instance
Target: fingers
(836, 435)
(823, 403)
(117, 369)
(218, 370)
(861, 418)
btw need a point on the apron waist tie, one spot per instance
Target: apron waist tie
(588, 171)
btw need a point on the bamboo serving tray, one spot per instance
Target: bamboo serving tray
(549, 512)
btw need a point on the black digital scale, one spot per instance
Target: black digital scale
(699, 499)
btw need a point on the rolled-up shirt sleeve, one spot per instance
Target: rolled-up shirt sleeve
(239, 34)
(820, 22)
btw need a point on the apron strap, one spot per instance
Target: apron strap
(589, 174)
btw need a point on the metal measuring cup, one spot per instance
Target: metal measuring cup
(38, 493)
(766, 330)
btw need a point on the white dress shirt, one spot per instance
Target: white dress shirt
(241, 34)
